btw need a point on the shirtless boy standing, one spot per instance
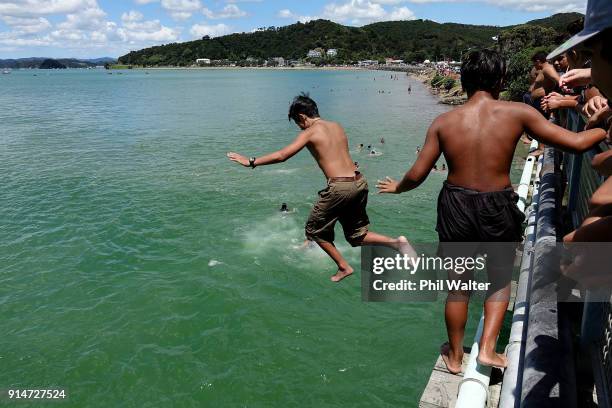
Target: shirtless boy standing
(546, 81)
(477, 203)
(346, 196)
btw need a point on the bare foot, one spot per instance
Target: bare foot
(453, 364)
(342, 273)
(492, 360)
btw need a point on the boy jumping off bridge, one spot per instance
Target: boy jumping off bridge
(346, 196)
(477, 203)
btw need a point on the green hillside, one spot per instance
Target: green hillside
(415, 40)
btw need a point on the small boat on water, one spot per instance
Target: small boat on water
(6, 72)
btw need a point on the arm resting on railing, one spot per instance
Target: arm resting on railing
(544, 131)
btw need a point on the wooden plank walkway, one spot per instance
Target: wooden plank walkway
(443, 387)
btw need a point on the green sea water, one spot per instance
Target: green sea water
(140, 268)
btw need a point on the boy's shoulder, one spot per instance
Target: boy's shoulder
(494, 106)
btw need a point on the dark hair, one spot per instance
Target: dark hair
(539, 56)
(303, 104)
(482, 70)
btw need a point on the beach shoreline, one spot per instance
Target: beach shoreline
(301, 68)
(454, 96)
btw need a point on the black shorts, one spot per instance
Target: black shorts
(466, 215)
(489, 224)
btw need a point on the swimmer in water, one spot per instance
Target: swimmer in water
(382, 140)
(444, 167)
(356, 165)
(284, 209)
(360, 146)
(418, 150)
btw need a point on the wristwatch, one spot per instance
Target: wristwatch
(252, 162)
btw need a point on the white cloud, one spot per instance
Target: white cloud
(401, 13)
(288, 14)
(181, 9)
(359, 12)
(178, 9)
(557, 6)
(201, 30)
(229, 11)
(132, 16)
(84, 30)
(147, 32)
(27, 25)
(29, 8)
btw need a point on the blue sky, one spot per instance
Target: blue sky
(95, 28)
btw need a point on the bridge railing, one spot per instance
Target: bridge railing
(596, 325)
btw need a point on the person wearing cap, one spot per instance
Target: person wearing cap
(593, 43)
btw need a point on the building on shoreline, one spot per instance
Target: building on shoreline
(332, 52)
(203, 61)
(367, 63)
(279, 61)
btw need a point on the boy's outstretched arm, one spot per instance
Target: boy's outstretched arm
(427, 158)
(277, 157)
(546, 132)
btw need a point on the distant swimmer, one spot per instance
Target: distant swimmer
(284, 209)
(382, 140)
(435, 167)
(369, 147)
(418, 150)
(443, 167)
(344, 199)
(409, 89)
(360, 146)
(375, 153)
(356, 165)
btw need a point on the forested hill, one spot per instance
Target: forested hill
(414, 40)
